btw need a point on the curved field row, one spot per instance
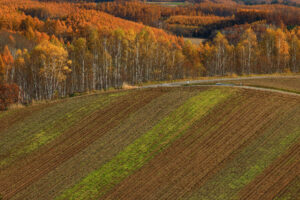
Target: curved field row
(291, 191)
(276, 177)
(9, 118)
(106, 147)
(160, 143)
(73, 141)
(44, 124)
(194, 158)
(254, 158)
(147, 146)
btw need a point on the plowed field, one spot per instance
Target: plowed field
(162, 143)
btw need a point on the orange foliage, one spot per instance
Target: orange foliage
(196, 20)
(61, 19)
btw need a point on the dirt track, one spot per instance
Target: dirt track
(203, 82)
(269, 90)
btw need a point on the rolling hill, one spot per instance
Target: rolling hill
(159, 143)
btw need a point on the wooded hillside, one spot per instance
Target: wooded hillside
(52, 50)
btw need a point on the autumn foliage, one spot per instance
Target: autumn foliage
(201, 19)
(52, 50)
(196, 20)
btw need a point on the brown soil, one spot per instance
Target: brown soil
(105, 147)
(192, 159)
(70, 143)
(207, 147)
(10, 119)
(276, 177)
(291, 191)
(285, 121)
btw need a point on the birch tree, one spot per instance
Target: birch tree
(53, 67)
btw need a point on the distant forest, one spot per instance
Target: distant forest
(243, 2)
(200, 18)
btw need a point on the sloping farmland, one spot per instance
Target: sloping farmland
(163, 143)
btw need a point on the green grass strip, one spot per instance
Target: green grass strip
(147, 146)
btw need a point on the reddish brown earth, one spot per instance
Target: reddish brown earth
(107, 146)
(24, 173)
(10, 119)
(186, 165)
(191, 160)
(292, 190)
(276, 177)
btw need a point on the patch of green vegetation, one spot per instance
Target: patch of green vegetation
(45, 125)
(248, 164)
(135, 155)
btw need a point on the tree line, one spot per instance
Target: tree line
(86, 50)
(102, 60)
